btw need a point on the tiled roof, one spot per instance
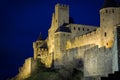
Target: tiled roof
(63, 28)
(44, 45)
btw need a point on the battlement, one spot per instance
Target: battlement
(102, 60)
(89, 38)
(61, 5)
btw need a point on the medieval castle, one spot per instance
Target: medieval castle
(95, 50)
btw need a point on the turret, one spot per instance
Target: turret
(109, 18)
(36, 44)
(59, 17)
(61, 14)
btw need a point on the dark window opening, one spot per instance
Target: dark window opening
(106, 11)
(38, 54)
(79, 29)
(105, 34)
(87, 29)
(83, 29)
(74, 28)
(107, 44)
(113, 11)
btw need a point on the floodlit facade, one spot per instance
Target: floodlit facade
(94, 49)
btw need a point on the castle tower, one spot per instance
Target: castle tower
(62, 34)
(61, 14)
(36, 44)
(60, 17)
(109, 18)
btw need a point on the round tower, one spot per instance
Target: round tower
(59, 17)
(109, 18)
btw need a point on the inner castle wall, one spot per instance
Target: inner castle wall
(93, 37)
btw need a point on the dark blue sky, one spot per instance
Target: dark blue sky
(21, 21)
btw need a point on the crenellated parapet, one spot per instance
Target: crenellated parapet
(93, 37)
(62, 6)
(97, 61)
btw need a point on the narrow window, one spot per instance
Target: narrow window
(83, 29)
(112, 10)
(87, 29)
(106, 11)
(74, 28)
(105, 34)
(79, 29)
(107, 44)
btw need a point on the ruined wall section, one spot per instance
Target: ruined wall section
(93, 37)
(97, 62)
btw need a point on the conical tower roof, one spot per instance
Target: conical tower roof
(111, 3)
(39, 37)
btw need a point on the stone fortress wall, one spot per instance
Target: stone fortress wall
(80, 29)
(96, 48)
(86, 39)
(26, 70)
(97, 61)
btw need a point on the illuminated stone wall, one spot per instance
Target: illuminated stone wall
(60, 16)
(93, 37)
(97, 47)
(79, 29)
(26, 70)
(60, 46)
(76, 53)
(97, 62)
(109, 19)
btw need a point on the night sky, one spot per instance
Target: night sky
(21, 21)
